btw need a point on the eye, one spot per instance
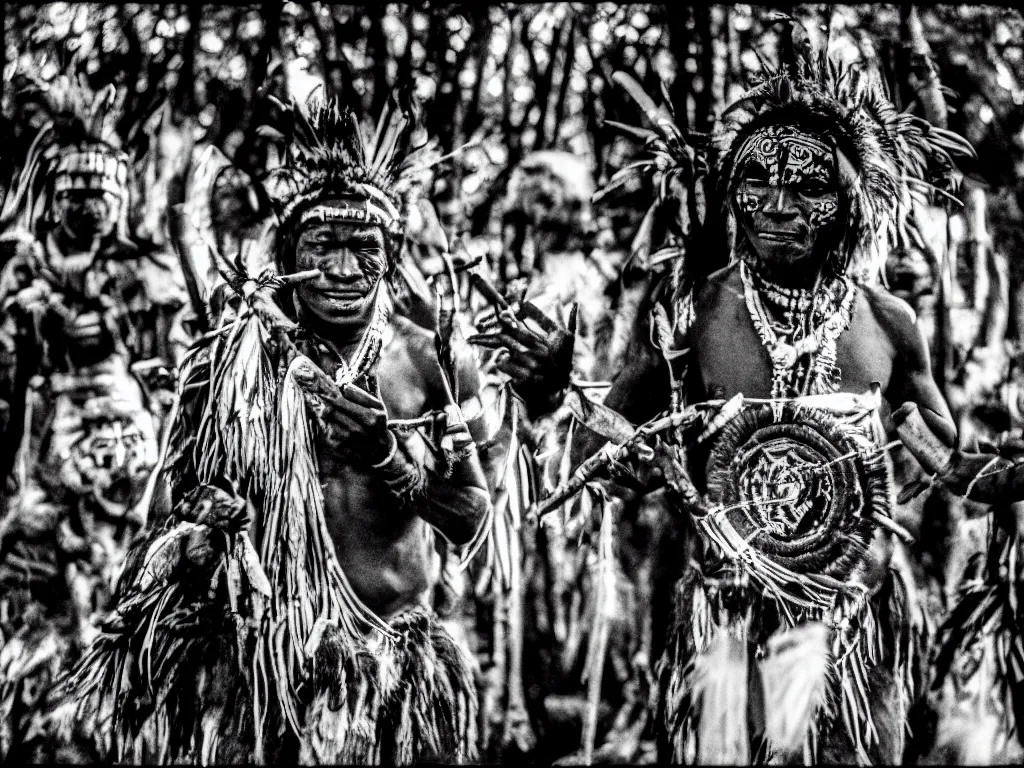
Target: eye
(812, 188)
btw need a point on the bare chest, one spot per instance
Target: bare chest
(731, 357)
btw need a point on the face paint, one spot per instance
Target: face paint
(86, 214)
(786, 194)
(353, 262)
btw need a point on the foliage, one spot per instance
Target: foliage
(510, 78)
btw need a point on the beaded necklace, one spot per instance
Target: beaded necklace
(817, 317)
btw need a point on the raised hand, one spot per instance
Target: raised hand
(538, 364)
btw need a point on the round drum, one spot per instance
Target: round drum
(799, 484)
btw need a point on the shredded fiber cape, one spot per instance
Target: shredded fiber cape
(230, 644)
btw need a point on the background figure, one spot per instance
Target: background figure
(88, 314)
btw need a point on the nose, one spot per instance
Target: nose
(779, 204)
(343, 266)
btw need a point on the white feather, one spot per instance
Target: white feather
(797, 676)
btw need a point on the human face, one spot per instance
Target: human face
(353, 262)
(787, 198)
(85, 215)
(909, 273)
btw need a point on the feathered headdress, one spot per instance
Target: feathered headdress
(326, 155)
(76, 146)
(886, 158)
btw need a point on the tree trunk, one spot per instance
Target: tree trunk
(569, 61)
(719, 59)
(922, 75)
(377, 47)
(977, 238)
(544, 89)
(682, 85)
(406, 76)
(184, 96)
(704, 104)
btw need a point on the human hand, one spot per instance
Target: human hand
(350, 417)
(215, 508)
(538, 364)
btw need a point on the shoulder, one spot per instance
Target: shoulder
(712, 287)
(416, 341)
(409, 355)
(153, 266)
(719, 288)
(892, 312)
(897, 320)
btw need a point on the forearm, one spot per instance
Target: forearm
(982, 477)
(454, 503)
(942, 427)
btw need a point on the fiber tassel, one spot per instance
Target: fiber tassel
(719, 688)
(606, 608)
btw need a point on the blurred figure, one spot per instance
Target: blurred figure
(86, 317)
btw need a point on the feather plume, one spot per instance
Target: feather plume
(798, 678)
(719, 691)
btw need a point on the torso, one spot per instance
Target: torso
(731, 359)
(388, 553)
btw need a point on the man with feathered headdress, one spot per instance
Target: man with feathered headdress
(762, 368)
(276, 608)
(87, 311)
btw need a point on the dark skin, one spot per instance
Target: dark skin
(882, 344)
(779, 234)
(383, 539)
(787, 235)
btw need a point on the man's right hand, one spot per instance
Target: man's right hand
(350, 416)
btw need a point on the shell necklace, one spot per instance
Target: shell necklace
(827, 313)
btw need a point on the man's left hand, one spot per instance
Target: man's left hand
(539, 364)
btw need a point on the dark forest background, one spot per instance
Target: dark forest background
(514, 77)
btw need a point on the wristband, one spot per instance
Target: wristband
(391, 452)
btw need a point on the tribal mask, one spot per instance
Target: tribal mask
(105, 448)
(786, 193)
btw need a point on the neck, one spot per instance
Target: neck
(343, 339)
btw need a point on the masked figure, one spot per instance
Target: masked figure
(283, 580)
(87, 314)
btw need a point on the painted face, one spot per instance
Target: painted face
(85, 215)
(353, 261)
(787, 196)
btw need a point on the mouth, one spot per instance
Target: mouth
(350, 294)
(779, 236)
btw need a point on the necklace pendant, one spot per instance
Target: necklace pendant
(784, 355)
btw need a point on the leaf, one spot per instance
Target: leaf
(643, 134)
(598, 417)
(658, 116)
(253, 568)
(640, 249)
(912, 491)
